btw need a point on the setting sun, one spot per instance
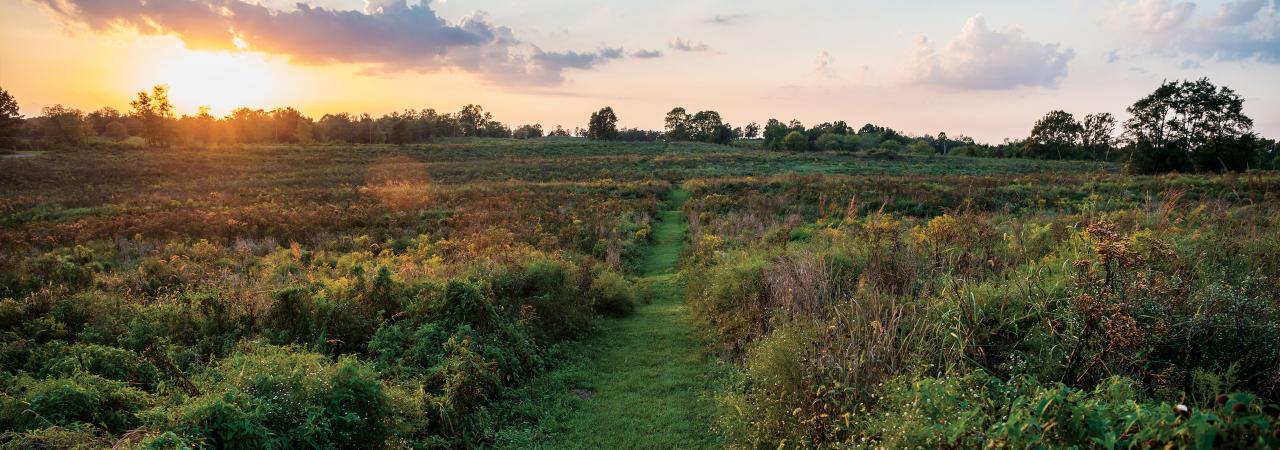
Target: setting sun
(222, 81)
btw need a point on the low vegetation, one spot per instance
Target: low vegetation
(1049, 309)
(426, 280)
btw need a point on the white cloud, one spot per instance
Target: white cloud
(1242, 30)
(984, 59)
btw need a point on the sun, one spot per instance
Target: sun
(221, 81)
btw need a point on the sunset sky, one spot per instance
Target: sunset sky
(986, 69)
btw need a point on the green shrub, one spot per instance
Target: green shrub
(75, 436)
(282, 397)
(612, 294)
(57, 359)
(291, 315)
(87, 398)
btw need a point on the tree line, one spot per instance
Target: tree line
(152, 119)
(1182, 126)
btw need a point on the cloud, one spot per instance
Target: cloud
(646, 54)
(984, 59)
(1111, 57)
(822, 64)
(730, 19)
(1241, 30)
(688, 46)
(387, 36)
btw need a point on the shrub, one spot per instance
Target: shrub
(58, 359)
(290, 315)
(795, 141)
(283, 397)
(86, 398)
(612, 294)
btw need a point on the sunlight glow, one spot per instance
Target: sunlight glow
(220, 80)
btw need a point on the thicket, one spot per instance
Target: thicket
(1050, 310)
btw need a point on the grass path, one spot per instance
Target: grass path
(644, 381)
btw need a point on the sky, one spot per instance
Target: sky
(985, 69)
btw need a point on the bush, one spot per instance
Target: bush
(283, 397)
(612, 295)
(795, 141)
(83, 398)
(58, 359)
(978, 410)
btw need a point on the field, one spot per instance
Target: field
(561, 293)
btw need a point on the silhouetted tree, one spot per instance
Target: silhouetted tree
(472, 119)
(1054, 136)
(1097, 135)
(63, 126)
(155, 112)
(10, 120)
(677, 125)
(1190, 125)
(527, 132)
(603, 125)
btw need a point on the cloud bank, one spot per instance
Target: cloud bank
(984, 59)
(1241, 30)
(387, 36)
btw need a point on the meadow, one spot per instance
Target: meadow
(515, 293)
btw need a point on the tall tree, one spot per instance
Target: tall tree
(10, 120)
(603, 125)
(63, 126)
(473, 119)
(751, 131)
(677, 125)
(1190, 125)
(1097, 135)
(1056, 135)
(155, 112)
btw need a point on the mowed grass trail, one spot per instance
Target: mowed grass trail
(644, 381)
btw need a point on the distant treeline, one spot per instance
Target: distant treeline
(1182, 126)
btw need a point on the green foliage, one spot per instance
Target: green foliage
(612, 295)
(82, 397)
(979, 410)
(603, 125)
(795, 142)
(264, 396)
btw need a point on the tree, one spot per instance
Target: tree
(774, 133)
(677, 125)
(795, 142)
(706, 126)
(751, 131)
(603, 125)
(401, 134)
(1056, 135)
(473, 119)
(10, 120)
(1190, 125)
(99, 119)
(1098, 135)
(559, 132)
(528, 132)
(155, 112)
(116, 131)
(64, 126)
